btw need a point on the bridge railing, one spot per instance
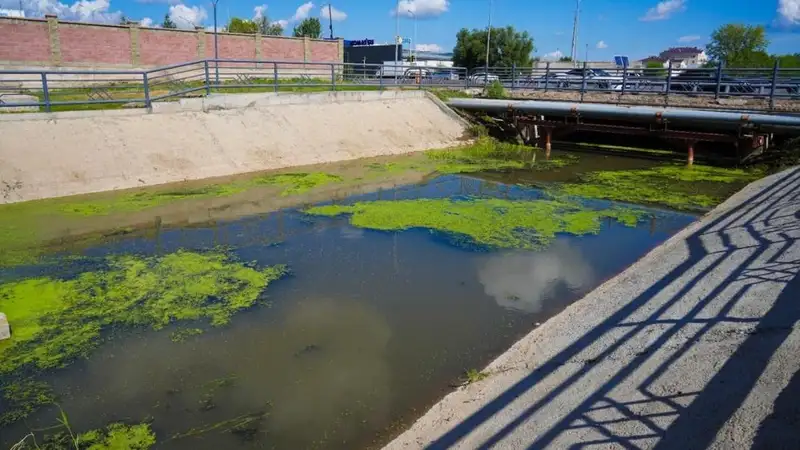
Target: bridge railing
(54, 90)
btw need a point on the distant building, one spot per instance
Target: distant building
(684, 57)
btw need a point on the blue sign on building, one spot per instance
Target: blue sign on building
(359, 43)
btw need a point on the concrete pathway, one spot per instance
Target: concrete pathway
(695, 346)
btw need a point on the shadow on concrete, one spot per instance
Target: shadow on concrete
(757, 240)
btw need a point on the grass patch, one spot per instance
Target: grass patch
(447, 94)
(488, 154)
(493, 223)
(679, 187)
(55, 320)
(474, 376)
(299, 183)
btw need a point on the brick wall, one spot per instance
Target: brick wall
(50, 42)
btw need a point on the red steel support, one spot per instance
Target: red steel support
(548, 142)
(690, 161)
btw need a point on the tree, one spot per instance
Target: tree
(654, 69)
(507, 47)
(168, 23)
(269, 29)
(123, 20)
(565, 59)
(237, 25)
(737, 45)
(789, 61)
(310, 27)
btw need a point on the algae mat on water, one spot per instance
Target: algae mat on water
(487, 222)
(680, 187)
(56, 320)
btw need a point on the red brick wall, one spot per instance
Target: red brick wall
(87, 43)
(28, 41)
(324, 52)
(163, 47)
(24, 41)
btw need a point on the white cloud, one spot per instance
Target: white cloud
(187, 16)
(81, 11)
(303, 11)
(146, 22)
(335, 14)
(259, 12)
(422, 8)
(428, 48)
(664, 10)
(169, 2)
(789, 12)
(283, 23)
(687, 39)
(553, 55)
(12, 13)
(601, 45)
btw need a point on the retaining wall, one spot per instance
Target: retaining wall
(59, 154)
(52, 43)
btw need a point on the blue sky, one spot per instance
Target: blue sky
(637, 28)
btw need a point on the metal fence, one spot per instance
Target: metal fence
(25, 90)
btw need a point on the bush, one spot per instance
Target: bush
(496, 90)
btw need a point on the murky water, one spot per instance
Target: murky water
(370, 329)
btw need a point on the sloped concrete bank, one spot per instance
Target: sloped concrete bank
(694, 346)
(68, 153)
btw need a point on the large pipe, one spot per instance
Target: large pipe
(639, 113)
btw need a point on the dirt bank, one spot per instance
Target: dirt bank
(59, 154)
(694, 346)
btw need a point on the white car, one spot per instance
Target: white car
(483, 77)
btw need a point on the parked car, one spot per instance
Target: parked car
(445, 75)
(705, 80)
(596, 78)
(483, 77)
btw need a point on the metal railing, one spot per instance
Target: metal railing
(24, 90)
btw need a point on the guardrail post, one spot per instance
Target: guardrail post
(774, 85)
(669, 82)
(275, 76)
(208, 79)
(46, 92)
(333, 77)
(547, 76)
(719, 80)
(466, 78)
(583, 84)
(146, 85)
(624, 79)
(380, 79)
(513, 75)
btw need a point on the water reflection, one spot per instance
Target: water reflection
(525, 281)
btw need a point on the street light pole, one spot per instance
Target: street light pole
(396, 39)
(414, 42)
(216, 44)
(488, 39)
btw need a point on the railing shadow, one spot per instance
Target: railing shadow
(739, 254)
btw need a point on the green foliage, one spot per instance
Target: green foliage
(507, 47)
(680, 187)
(168, 23)
(496, 90)
(267, 28)
(184, 334)
(474, 376)
(655, 69)
(446, 94)
(738, 45)
(237, 25)
(24, 397)
(565, 59)
(788, 61)
(309, 27)
(493, 223)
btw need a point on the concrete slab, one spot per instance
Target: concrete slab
(5, 328)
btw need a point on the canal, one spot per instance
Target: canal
(326, 308)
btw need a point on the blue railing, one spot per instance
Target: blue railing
(51, 90)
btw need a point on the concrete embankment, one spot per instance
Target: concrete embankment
(60, 154)
(694, 346)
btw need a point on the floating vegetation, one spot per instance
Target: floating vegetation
(184, 334)
(57, 320)
(118, 436)
(495, 223)
(148, 199)
(488, 154)
(299, 183)
(245, 426)
(680, 187)
(24, 397)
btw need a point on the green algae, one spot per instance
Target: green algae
(298, 183)
(487, 154)
(118, 436)
(55, 320)
(494, 223)
(680, 187)
(23, 398)
(184, 334)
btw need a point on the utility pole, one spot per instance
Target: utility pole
(488, 39)
(414, 42)
(330, 19)
(396, 39)
(587, 53)
(574, 53)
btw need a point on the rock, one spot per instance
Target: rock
(5, 329)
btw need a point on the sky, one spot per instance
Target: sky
(636, 28)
